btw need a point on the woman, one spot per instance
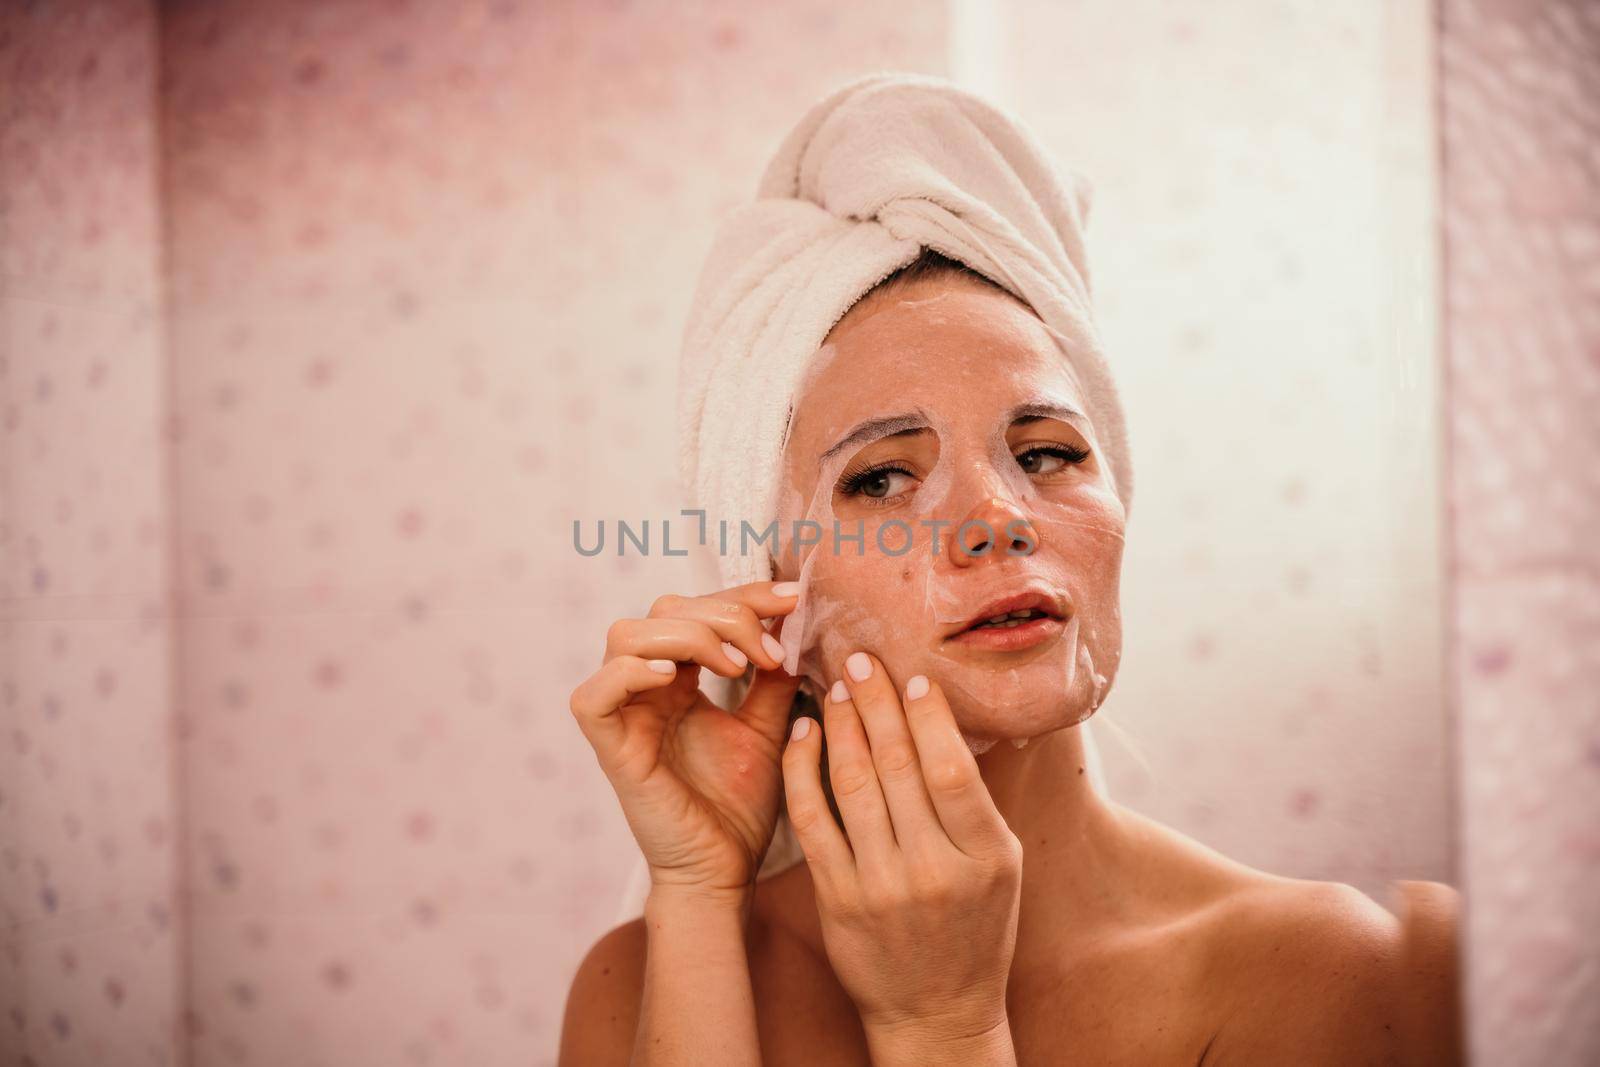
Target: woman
(960, 900)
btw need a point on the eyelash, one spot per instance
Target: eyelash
(850, 484)
(1070, 453)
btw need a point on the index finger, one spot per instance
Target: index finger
(766, 599)
(956, 787)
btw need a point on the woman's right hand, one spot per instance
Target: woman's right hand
(700, 787)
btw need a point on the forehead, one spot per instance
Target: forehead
(951, 346)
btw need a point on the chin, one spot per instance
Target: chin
(984, 727)
(982, 743)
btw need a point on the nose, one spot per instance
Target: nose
(995, 527)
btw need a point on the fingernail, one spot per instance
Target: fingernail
(663, 666)
(802, 726)
(859, 666)
(733, 653)
(773, 646)
(839, 694)
(786, 589)
(917, 688)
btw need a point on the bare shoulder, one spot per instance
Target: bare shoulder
(1430, 918)
(1319, 972)
(602, 1013)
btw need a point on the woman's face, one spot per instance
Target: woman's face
(943, 408)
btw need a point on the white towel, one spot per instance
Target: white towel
(879, 169)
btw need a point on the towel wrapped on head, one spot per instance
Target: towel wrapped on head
(878, 170)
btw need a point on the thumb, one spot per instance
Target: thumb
(765, 708)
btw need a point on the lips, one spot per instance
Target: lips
(1015, 612)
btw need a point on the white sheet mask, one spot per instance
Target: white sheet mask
(1023, 689)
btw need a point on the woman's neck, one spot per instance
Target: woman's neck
(1081, 852)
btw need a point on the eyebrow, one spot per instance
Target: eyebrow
(873, 429)
(1044, 409)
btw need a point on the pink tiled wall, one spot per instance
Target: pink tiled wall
(1520, 94)
(90, 826)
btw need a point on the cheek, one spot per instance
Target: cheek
(1097, 562)
(875, 604)
(1087, 531)
(1096, 559)
(1101, 614)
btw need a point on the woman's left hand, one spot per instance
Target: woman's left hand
(919, 903)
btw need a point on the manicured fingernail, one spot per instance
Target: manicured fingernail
(773, 646)
(917, 688)
(859, 666)
(839, 694)
(802, 726)
(663, 666)
(733, 653)
(786, 589)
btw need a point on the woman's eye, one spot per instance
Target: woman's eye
(1047, 459)
(880, 484)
